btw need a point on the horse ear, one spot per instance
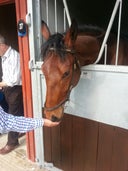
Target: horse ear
(45, 30)
(71, 34)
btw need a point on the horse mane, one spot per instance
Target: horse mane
(90, 30)
(56, 42)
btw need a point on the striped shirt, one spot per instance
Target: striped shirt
(21, 124)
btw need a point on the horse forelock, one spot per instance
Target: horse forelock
(56, 42)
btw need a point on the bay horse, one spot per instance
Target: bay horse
(63, 56)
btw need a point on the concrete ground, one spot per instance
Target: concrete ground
(17, 159)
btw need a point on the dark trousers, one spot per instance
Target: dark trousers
(14, 99)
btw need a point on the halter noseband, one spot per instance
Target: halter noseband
(64, 50)
(75, 66)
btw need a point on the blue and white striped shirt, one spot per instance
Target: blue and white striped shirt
(21, 124)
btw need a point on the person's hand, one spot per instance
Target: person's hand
(49, 123)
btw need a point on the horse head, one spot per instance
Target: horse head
(61, 69)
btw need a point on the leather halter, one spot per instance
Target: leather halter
(76, 65)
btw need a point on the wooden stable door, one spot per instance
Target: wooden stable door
(83, 145)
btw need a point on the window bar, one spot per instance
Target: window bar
(64, 20)
(47, 17)
(105, 56)
(67, 12)
(108, 30)
(55, 16)
(118, 35)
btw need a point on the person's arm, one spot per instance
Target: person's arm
(21, 124)
(49, 123)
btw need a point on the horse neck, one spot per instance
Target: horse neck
(87, 48)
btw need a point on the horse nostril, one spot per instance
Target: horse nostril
(54, 119)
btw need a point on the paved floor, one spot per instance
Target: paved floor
(17, 159)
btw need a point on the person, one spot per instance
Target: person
(9, 122)
(11, 85)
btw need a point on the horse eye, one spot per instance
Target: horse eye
(66, 74)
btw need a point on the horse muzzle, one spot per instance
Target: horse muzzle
(55, 115)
